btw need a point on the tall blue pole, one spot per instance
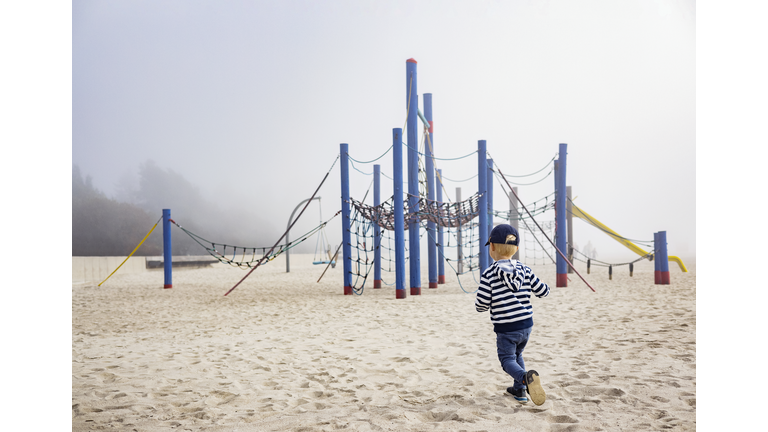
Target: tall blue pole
(397, 195)
(376, 228)
(489, 179)
(440, 248)
(560, 241)
(482, 189)
(414, 247)
(167, 249)
(345, 218)
(430, 165)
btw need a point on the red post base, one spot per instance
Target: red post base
(167, 286)
(562, 279)
(347, 290)
(415, 290)
(433, 284)
(441, 279)
(377, 283)
(399, 293)
(661, 277)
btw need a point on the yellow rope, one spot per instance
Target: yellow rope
(134, 251)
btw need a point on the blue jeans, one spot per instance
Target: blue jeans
(509, 347)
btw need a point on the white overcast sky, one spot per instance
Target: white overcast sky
(258, 95)
(250, 99)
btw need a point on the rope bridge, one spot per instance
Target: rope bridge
(245, 257)
(442, 213)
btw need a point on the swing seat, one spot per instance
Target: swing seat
(324, 262)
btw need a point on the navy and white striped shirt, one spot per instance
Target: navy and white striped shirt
(505, 288)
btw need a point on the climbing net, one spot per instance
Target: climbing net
(458, 216)
(460, 230)
(537, 249)
(246, 257)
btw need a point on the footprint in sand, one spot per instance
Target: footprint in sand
(561, 419)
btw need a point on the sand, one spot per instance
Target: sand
(284, 353)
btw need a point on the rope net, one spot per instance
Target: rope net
(245, 257)
(442, 213)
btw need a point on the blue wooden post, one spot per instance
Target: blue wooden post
(414, 247)
(656, 271)
(459, 240)
(430, 166)
(397, 195)
(167, 249)
(661, 275)
(561, 236)
(376, 228)
(440, 248)
(489, 179)
(345, 221)
(482, 188)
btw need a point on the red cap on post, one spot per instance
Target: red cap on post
(410, 60)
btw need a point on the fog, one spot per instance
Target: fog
(249, 101)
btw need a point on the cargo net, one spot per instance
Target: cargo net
(538, 250)
(535, 246)
(441, 213)
(245, 257)
(455, 218)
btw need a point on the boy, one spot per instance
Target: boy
(505, 288)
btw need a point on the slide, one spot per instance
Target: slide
(581, 214)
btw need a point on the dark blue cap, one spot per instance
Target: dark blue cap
(499, 235)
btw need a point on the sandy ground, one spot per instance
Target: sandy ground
(284, 353)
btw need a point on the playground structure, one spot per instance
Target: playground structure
(469, 222)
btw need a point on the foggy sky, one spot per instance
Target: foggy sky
(189, 87)
(250, 101)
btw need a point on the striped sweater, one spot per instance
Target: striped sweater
(505, 288)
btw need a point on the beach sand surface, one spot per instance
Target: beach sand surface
(283, 352)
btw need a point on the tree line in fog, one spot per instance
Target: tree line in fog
(106, 226)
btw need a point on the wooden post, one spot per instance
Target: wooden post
(560, 237)
(414, 227)
(346, 221)
(482, 189)
(459, 253)
(429, 160)
(376, 228)
(569, 218)
(397, 194)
